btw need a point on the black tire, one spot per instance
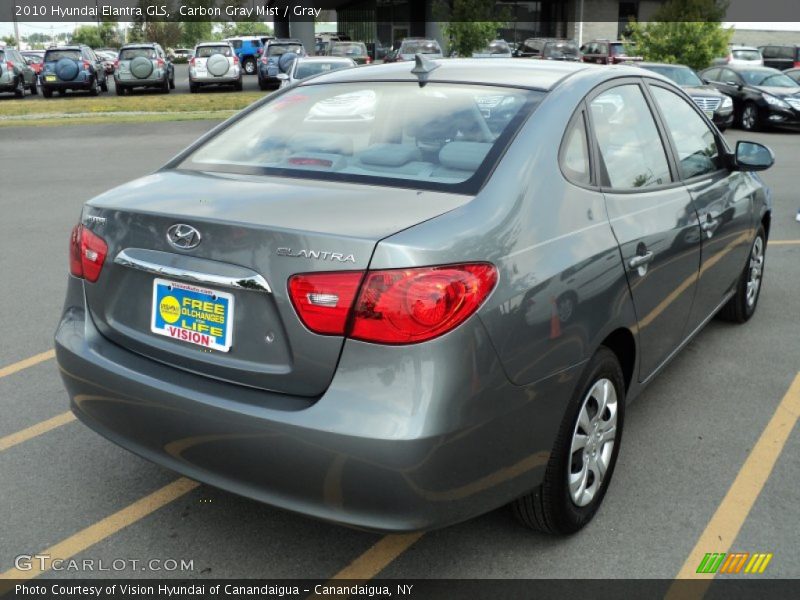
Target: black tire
(120, 89)
(172, 83)
(749, 117)
(95, 89)
(165, 86)
(249, 65)
(550, 508)
(262, 85)
(193, 88)
(47, 93)
(34, 88)
(19, 88)
(104, 84)
(740, 307)
(238, 85)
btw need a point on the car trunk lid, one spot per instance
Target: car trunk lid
(254, 233)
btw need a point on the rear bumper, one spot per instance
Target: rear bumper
(211, 80)
(75, 84)
(400, 441)
(135, 82)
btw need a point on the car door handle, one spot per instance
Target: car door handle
(641, 260)
(709, 224)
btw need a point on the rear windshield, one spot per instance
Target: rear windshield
(620, 49)
(278, 49)
(308, 68)
(348, 49)
(131, 53)
(680, 75)
(440, 136)
(54, 55)
(206, 51)
(559, 49)
(420, 47)
(746, 54)
(32, 57)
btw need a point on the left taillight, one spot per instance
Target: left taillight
(395, 306)
(87, 253)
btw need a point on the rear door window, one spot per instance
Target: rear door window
(575, 152)
(630, 146)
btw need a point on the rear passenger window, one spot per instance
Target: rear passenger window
(694, 140)
(630, 145)
(575, 153)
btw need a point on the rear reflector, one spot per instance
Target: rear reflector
(397, 306)
(87, 253)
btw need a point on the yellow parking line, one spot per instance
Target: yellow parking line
(28, 362)
(783, 242)
(376, 559)
(34, 430)
(724, 526)
(106, 527)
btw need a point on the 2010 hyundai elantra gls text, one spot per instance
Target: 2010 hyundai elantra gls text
(401, 296)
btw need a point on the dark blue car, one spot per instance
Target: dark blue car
(248, 49)
(278, 56)
(72, 68)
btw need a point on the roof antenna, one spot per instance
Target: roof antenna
(423, 68)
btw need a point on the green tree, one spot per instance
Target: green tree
(687, 32)
(10, 40)
(87, 34)
(469, 25)
(199, 29)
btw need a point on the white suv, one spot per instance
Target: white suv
(214, 63)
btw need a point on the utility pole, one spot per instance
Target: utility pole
(16, 29)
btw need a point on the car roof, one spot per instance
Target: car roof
(67, 47)
(140, 45)
(746, 68)
(324, 59)
(541, 75)
(220, 43)
(284, 41)
(660, 64)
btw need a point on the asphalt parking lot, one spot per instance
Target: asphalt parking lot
(687, 438)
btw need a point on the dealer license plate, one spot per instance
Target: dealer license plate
(192, 314)
(49, 77)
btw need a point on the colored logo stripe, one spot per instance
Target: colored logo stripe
(721, 562)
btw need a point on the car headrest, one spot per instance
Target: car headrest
(466, 156)
(326, 143)
(389, 155)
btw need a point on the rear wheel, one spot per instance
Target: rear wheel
(582, 461)
(19, 89)
(95, 89)
(749, 117)
(249, 65)
(193, 88)
(104, 84)
(238, 85)
(172, 82)
(47, 93)
(34, 88)
(119, 89)
(743, 304)
(165, 85)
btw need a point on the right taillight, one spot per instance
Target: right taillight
(395, 306)
(87, 253)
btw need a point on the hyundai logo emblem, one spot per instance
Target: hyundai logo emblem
(183, 237)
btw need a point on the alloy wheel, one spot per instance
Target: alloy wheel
(756, 270)
(749, 117)
(592, 442)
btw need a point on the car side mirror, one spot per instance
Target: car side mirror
(752, 156)
(282, 76)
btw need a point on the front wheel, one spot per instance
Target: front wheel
(743, 304)
(749, 117)
(582, 461)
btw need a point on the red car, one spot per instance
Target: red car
(35, 60)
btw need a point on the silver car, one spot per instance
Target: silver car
(143, 65)
(214, 63)
(304, 67)
(347, 300)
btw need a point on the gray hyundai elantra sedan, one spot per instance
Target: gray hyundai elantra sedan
(402, 296)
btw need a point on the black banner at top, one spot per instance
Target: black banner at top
(784, 11)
